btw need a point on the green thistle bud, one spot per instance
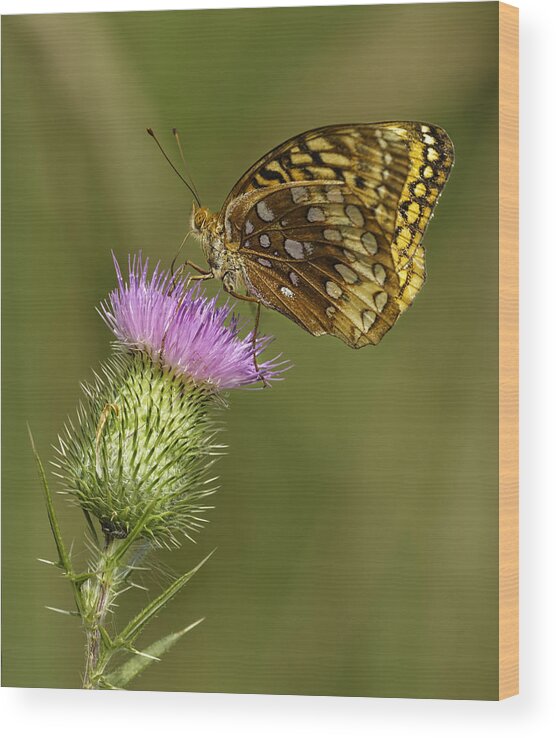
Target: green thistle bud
(140, 450)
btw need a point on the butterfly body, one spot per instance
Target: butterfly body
(327, 228)
(220, 255)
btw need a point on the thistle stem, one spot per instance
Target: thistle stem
(99, 592)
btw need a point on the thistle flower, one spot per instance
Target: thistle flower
(181, 328)
(144, 439)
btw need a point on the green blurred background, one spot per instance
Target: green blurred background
(357, 525)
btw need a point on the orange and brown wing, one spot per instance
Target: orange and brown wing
(329, 225)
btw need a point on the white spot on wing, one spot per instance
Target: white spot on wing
(334, 194)
(355, 215)
(248, 227)
(286, 291)
(332, 234)
(299, 194)
(294, 248)
(381, 298)
(333, 289)
(346, 273)
(264, 240)
(367, 319)
(380, 273)
(315, 215)
(264, 212)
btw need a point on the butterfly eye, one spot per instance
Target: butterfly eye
(196, 222)
(199, 219)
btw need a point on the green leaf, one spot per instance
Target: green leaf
(121, 676)
(63, 555)
(104, 684)
(105, 638)
(136, 624)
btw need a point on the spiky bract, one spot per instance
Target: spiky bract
(140, 450)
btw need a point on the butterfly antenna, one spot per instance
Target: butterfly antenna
(176, 135)
(165, 155)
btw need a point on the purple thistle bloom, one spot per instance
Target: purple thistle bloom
(184, 329)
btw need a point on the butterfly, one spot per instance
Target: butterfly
(327, 227)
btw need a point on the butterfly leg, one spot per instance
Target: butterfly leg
(255, 334)
(190, 278)
(203, 273)
(248, 298)
(197, 277)
(201, 277)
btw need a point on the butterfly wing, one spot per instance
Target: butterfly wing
(329, 225)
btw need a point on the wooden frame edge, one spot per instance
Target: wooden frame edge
(508, 443)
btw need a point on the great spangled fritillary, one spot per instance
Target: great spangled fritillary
(327, 228)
